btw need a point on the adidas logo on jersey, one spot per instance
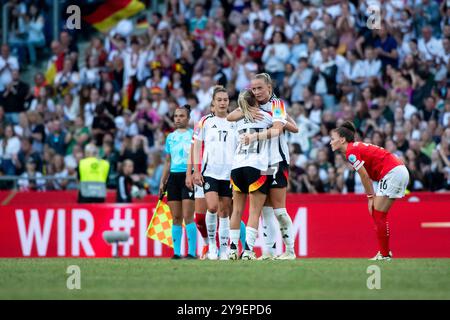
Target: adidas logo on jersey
(214, 126)
(274, 182)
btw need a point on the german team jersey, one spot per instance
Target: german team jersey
(195, 134)
(219, 144)
(377, 161)
(178, 145)
(255, 154)
(278, 146)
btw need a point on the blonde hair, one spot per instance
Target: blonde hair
(246, 100)
(266, 78)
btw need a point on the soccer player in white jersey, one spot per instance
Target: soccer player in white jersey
(199, 195)
(248, 176)
(217, 134)
(275, 206)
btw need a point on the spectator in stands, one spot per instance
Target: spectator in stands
(14, 97)
(102, 124)
(58, 138)
(8, 63)
(26, 152)
(31, 180)
(9, 148)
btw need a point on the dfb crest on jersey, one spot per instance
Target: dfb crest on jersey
(207, 186)
(352, 158)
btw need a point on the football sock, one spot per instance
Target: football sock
(201, 226)
(224, 233)
(269, 230)
(191, 232)
(242, 236)
(382, 230)
(211, 226)
(285, 222)
(177, 232)
(250, 240)
(234, 238)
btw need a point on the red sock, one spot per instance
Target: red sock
(201, 225)
(382, 230)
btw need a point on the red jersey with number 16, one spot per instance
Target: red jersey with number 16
(377, 161)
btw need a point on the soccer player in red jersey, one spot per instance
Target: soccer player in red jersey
(374, 163)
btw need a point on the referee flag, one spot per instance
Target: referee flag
(160, 227)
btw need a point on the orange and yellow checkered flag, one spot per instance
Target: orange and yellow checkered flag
(160, 227)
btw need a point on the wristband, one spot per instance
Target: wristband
(370, 196)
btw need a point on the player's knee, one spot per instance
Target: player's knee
(213, 208)
(177, 220)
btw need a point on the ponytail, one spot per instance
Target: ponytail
(347, 130)
(245, 101)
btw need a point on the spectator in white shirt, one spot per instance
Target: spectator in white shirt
(89, 108)
(354, 69)
(300, 79)
(9, 148)
(204, 93)
(371, 65)
(8, 63)
(403, 103)
(430, 47)
(67, 80)
(90, 75)
(279, 24)
(275, 56)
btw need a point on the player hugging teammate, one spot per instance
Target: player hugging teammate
(251, 142)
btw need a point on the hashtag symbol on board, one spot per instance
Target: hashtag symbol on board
(126, 223)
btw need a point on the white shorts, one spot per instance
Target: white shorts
(198, 192)
(394, 183)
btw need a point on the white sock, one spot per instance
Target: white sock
(285, 222)
(211, 227)
(234, 238)
(224, 233)
(250, 239)
(269, 230)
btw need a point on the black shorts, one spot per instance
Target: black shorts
(280, 180)
(248, 179)
(222, 187)
(176, 187)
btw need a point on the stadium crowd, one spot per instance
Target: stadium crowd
(330, 61)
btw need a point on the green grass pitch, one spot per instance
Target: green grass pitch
(186, 279)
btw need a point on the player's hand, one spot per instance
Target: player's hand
(198, 179)
(161, 189)
(247, 138)
(370, 205)
(188, 182)
(256, 114)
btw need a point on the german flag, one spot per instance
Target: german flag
(104, 15)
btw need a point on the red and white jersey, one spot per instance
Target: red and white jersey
(278, 146)
(377, 161)
(255, 154)
(217, 135)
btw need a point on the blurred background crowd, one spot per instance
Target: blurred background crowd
(330, 61)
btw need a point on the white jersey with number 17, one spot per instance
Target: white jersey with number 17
(219, 144)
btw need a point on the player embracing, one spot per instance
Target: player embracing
(217, 136)
(374, 163)
(275, 206)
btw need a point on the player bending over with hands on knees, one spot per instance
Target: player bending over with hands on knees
(374, 163)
